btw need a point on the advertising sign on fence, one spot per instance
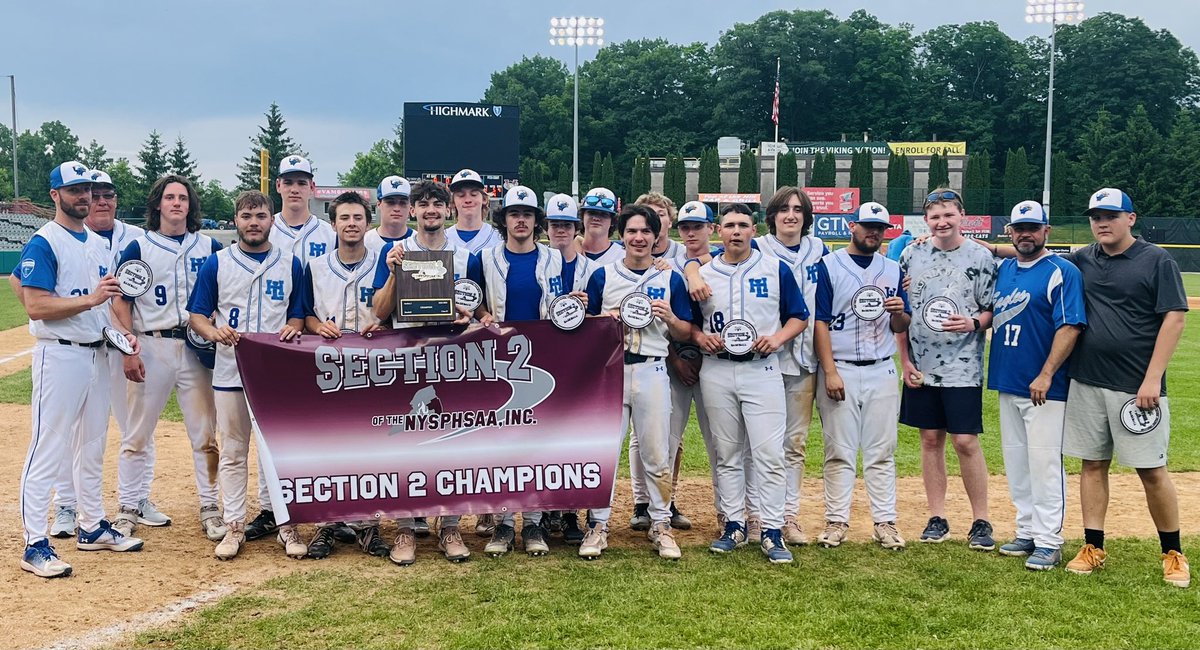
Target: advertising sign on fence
(833, 200)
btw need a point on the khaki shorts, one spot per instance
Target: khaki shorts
(1095, 428)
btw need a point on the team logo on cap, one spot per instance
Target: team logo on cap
(1100, 195)
(293, 161)
(521, 194)
(1025, 208)
(95, 175)
(690, 209)
(395, 184)
(562, 205)
(464, 174)
(875, 209)
(79, 169)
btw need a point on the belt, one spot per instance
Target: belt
(173, 333)
(93, 344)
(631, 358)
(749, 356)
(868, 362)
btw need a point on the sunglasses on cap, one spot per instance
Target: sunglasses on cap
(594, 200)
(948, 195)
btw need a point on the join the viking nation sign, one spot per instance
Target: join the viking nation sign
(437, 420)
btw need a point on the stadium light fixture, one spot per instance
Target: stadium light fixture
(574, 31)
(1053, 12)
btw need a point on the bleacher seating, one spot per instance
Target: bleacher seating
(16, 229)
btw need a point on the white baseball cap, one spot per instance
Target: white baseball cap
(695, 211)
(393, 186)
(521, 196)
(295, 164)
(871, 212)
(71, 172)
(1028, 212)
(466, 177)
(100, 178)
(600, 199)
(561, 207)
(1110, 198)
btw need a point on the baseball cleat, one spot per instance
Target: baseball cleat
(793, 532)
(344, 534)
(212, 523)
(572, 533)
(1176, 570)
(485, 525)
(64, 523)
(501, 542)
(553, 522)
(41, 560)
(321, 545)
(733, 537)
(289, 537)
(421, 527)
(594, 542)
(664, 542)
(450, 542)
(754, 529)
(126, 520)
(774, 548)
(834, 534)
(1087, 560)
(533, 537)
(888, 536)
(1043, 559)
(936, 531)
(261, 526)
(641, 517)
(980, 537)
(679, 521)
(1017, 548)
(372, 544)
(404, 551)
(235, 536)
(149, 515)
(106, 538)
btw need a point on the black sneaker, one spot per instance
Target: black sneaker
(553, 522)
(980, 537)
(322, 543)
(420, 527)
(641, 517)
(344, 533)
(534, 538)
(679, 520)
(572, 533)
(370, 542)
(262, 525)
(936, 531)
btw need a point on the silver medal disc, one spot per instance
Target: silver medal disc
(738, 336)
(936, 311)
(567, 312)
(117, 340)
(134, 277)
(1137, 421)
(468, 294)
(636, 310)
(867, 303)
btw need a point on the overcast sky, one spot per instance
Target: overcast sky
(341, 69)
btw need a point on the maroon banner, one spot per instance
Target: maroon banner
(437, 420)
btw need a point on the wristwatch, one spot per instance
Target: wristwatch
(977, 325)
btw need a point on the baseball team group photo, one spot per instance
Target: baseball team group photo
(851, 334)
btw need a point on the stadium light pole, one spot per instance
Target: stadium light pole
(1053, 12)
(12, 87)
(575, 31)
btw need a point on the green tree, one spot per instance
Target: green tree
(748, 172)
(899, 188)
(563, 184)
(786, 172)
(1017, 178)
(153, 163)
(975, 184)
(541, 86)
(709, 179)
(939, 172)
(1179, 190)
(370, 166)
(1140, 152)
(62, 145)
(533, 175)
(95, 156)
(862, 174)
(180, 160)
(676, 188)
(598, 171)
(1095, 162)
(824, 171)
(641, 176)
(1060, 186)
(608, 175)
(272, 136)
(215, 201)
(129, 192)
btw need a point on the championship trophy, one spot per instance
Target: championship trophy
(425, 287)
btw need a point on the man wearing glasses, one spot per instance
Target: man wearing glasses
(942, 360)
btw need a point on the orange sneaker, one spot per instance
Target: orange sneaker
(1176, 570)
(1089, 559)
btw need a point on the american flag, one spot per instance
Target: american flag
(775, 103)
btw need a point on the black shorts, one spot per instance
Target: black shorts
(957, 409)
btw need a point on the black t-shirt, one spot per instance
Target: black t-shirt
(1126, 297)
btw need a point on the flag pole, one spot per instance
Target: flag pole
(776, 98)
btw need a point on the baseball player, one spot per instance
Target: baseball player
(101, 219)
(337, 297)
(519, 281)
(430, 202)
(251, 287)
(470, 203)
(789, 221)
(598, 209)
(658, 300)
(1037, 318)
(173, 251)
(66, 286)
(664, 246)
(757, 303)
(393, 214)
(942, 359)
(860, 305)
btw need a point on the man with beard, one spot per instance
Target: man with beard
(173, 250)
(470, 231)
(66, 286)
(251, 287)
(861, 305)
(1038, 316)
(393, 208)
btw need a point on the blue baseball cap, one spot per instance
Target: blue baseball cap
(1110, 198)
(71, 172)
(295, 165)
(695, 211)
(1028, 212)
(871, 212)
(561, 207)
(393, 186)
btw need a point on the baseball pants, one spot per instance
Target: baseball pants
(1032, 437)
(70, 405)
(233, 471)
(682, 397)
(647, 389)
(798, 393)
(64, 487)
(169, 364)
(865, 420)
(744, 409)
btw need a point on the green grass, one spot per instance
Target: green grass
(1191, 284)
(17, 388)
(12, 314)
(856, 596)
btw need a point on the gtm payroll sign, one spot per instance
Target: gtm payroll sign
(835, 227)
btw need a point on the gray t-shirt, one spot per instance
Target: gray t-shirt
(956, 281)
(1126, 296)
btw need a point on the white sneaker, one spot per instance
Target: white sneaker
(106, 538)
(235, 535)
(834, 534)
(64, 523)
(888, 536)
(126, 521)
(664, 542)
(289, 536)
(793, 532)
(149, 515)
(754, 529)
(595, 540)
(212, 523)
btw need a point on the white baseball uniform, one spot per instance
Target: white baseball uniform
(375, 241)
(850, 299)
(383, 271)
(614, 253)
(647, 387)
(160, 320)
(311, 240)
(800, 363)
(486, 237)
(742, 393)
(71, 374)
